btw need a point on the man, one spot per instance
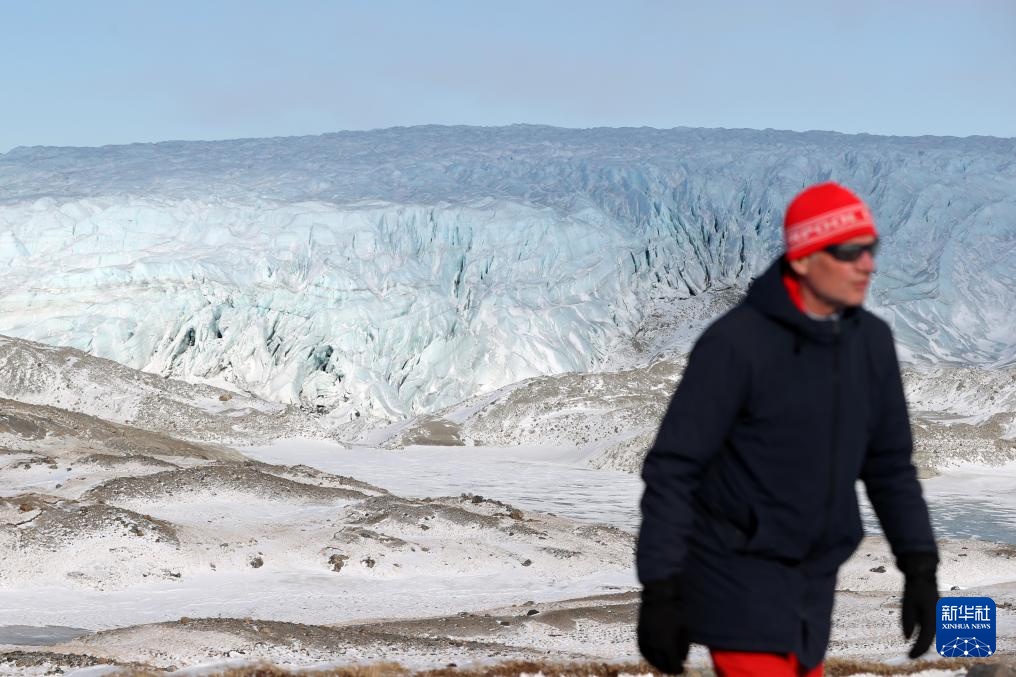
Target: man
(749, 507)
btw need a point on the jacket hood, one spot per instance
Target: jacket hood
(768, 295)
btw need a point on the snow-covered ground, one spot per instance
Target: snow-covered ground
(108, 542)
(165, 563)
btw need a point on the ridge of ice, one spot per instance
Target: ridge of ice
(393, 272)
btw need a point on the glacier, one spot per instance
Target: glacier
(394, 272)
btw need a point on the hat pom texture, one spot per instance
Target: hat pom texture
(824, 214)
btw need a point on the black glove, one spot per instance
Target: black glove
(920, 598)
(663, 635)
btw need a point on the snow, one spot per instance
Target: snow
(109, 577)
(181, 542)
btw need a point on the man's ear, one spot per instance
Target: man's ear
(800, 266)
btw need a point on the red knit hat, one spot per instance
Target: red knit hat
(824, 214)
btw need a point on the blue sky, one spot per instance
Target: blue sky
(100, 72)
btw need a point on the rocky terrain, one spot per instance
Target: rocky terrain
(599, 627)
(72, 380)
(959, 415)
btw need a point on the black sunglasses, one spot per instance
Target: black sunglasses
(851, 252)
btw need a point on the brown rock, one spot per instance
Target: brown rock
(337, 561)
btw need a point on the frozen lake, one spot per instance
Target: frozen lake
(547, 480)
(47, 635)
(969, 502)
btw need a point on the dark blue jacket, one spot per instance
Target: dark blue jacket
(750, 497)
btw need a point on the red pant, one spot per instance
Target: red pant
(752, 664)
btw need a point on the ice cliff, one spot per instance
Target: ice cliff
(398, 271)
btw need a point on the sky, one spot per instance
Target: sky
(111, 71)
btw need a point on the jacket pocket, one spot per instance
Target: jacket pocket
(730, 532)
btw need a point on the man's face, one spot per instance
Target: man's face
(832, 284)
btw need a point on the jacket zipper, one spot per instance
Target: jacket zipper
(835, 431)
